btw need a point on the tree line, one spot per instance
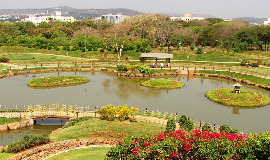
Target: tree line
(140, 33)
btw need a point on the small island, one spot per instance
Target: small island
(163, 84)
(246, 98)
(56, 81)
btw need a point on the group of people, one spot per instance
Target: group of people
(155, 65)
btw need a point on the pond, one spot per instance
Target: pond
(41, 126)
(106, 88)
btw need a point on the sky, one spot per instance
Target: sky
(216, 8)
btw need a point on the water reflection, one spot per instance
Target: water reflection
(126, 87)
(106, 88)
(41, 126)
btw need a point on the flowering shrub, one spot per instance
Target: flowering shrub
(195, 144)
(4, 60)
(111, 112)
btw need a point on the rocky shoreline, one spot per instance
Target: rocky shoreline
(17, 125)
(136, 74)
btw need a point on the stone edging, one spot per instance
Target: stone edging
(16, 125)
(51, 149)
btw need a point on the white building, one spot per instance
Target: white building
(186, 17)
(57, 17)
(267, 22)
(113, 18)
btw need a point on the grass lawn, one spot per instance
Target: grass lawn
(254, 79)
(5, 155)
(9, 120)
(57, 81)
(163, 84)
(97, 128)
(91, 153)
(246, 98)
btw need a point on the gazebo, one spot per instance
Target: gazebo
(237, 88)
(167, 56)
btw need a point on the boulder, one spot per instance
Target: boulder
(14, 125)
(3, 127)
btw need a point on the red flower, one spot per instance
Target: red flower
(187, 149)
(174, 154)
(145, 144)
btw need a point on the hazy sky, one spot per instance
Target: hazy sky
(216, 8)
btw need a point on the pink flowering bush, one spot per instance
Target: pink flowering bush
(195, 144)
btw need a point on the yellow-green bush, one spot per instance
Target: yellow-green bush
(122, 112)
(132, 67)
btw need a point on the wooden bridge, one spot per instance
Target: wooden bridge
(45, 111)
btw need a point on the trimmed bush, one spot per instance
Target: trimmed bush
(144, 69)
(171, 126)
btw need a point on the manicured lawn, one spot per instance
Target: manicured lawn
(57, 81)
(254, 79)
(9, 120)
(246, 98)
(91, 153)
(97, 128)
(163, 84)
(5, 155)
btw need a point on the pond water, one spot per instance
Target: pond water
(106, 88)
(41, 126)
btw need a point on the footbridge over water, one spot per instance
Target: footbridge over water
(45, 111)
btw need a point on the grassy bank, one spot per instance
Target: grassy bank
(96, 153)
(163, 84)
(254, 79)
(9, 120)
(97, 128)
(246, 98)
(57, 81)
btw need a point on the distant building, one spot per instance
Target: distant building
(113, 18)
(267, 22)
(186, 17)
(57, 17)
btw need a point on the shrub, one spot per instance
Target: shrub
(4, 60)
(144, 69)
(123, 112)
(195, 145)
(148, 50)
(27, 142)
(171, 126)
(101, 50)
(199, 50)
(122, 68)
(207, 127)
(185, 123)
(108, 113)
(132, 67)
(224, 128)
(192, 47)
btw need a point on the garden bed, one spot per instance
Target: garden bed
(246, 98)
(163, 84)
(57, 81)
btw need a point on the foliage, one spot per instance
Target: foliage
(122, 68)
(207, 127)
(132, 67)
(4, 60)
(108, 112)
(171, 125)
(111, 112)
(224, 128)
(8, 120)
(185, 123)
(195, 144)
(144, 69)
(199, 50)
(27, 142)
(74, 121)
(163, 84)
(56, 81)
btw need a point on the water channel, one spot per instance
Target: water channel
(106, 88)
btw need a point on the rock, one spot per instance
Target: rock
(132, 74)
(139, 75)
(14, 125)
(3, 127)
